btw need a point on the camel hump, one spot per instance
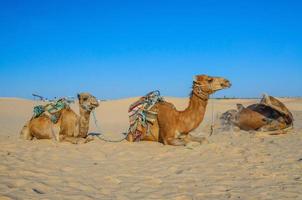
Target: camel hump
(166, 104)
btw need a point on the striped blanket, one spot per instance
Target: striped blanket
(140, 114)
(51, 110)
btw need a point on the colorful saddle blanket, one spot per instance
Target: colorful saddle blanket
(51, 110)
(140, 113)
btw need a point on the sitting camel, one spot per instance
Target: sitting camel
(172, 126)
(270, 115)
(69, 126)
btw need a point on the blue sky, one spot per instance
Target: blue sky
(117, 49)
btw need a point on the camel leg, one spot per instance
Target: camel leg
(75, 140)
(89, 138)
(174, 141)
(190, 138)
(171, 137)
(69, 139)
(129, 137)
(72, 140)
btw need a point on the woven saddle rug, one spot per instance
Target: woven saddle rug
(140, 114)
(52, 110)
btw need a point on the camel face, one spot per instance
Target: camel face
(87, 101)
(211, 84)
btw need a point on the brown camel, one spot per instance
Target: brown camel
(69, 127)
(268, 115)
(172, 126)
(247, 119)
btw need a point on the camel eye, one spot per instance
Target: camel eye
(85, 98)
(210, 80)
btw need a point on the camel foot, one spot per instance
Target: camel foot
(81, 140)
(175, 142)
(129, 137)
(88, 139)
(71, 140)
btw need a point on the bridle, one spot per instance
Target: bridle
(199, 92)
(86, 108)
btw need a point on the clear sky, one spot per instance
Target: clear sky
(117, 49)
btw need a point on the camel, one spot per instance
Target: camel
(172, 127)
(268, 115)
(69, 127)
(247, 119)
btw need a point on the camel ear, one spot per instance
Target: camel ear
(200, 77)
(79, 96)
(240, 107)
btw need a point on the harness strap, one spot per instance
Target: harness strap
(213, 122)
(200, 92)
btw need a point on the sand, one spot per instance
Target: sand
(233, 165)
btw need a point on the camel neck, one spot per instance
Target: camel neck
(84, 122)
(193, 115)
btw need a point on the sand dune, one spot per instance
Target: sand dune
(233, 165)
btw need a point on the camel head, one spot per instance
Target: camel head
(240, 107)
(87, 101)
(210, 84)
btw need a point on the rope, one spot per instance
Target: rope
(100, 135)
(212, 122)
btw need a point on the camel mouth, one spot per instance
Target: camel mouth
(226, 84)
(94, 105)
(90, 107)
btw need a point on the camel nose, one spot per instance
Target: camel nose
(226, 83)
(229, 83)
(95, 103)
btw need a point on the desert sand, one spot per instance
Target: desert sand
(232, 165)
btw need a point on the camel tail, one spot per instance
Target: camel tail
(25, 132)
